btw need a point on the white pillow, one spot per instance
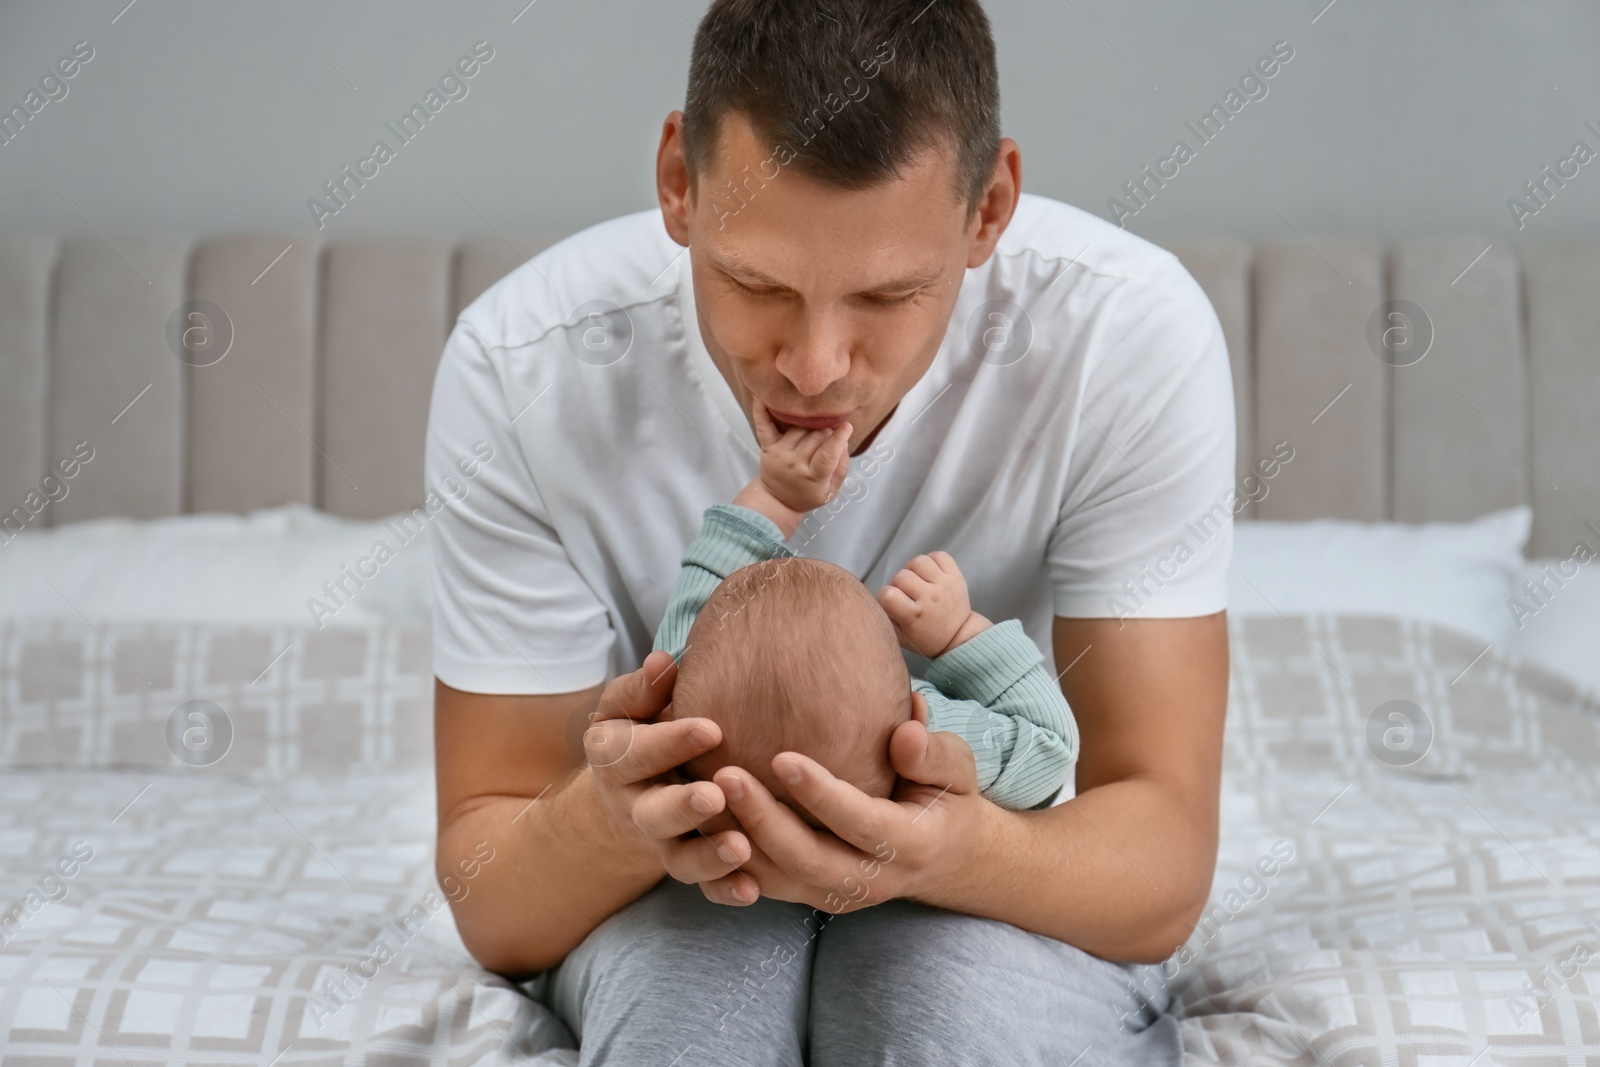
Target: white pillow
(1558, 618)
(265, 567)
(1459, 574)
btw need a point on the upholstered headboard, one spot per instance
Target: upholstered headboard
(322, 397)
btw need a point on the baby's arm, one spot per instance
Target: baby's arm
(731, 537)
(800, 470)
(986, 683)
(994, 691)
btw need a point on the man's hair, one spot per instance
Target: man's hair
(904, 76)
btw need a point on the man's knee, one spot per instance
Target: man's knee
(902, 938)
(672, 968)
(904, 980)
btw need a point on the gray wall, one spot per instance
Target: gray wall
(1392, 118)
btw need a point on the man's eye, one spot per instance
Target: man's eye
(895, 302)
(743, 288)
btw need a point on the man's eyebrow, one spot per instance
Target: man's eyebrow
(732, 264)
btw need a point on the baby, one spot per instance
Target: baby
(789, 653)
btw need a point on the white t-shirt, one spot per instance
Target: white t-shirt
(1083, 471)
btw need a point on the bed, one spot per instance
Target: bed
(219, 822)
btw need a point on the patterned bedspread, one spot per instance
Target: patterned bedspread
(216, 849)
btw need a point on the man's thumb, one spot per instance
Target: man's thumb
(939, 758)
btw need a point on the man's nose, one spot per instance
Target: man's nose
(817, 357)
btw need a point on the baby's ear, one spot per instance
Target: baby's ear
(919, 708)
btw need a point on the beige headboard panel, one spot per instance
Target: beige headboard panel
(322, 397)
(1500, 410)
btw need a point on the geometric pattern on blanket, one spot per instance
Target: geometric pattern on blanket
(1447, 912)
(221, 920)
(297, 699)
(233, 913)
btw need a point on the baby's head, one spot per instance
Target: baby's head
(795, 654)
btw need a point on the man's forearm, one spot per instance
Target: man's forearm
(1121, 871)
(554, 878)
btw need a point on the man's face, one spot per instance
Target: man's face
(827, 303)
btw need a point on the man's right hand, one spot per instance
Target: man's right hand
(633, 750)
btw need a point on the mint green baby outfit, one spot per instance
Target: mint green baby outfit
(992, 690)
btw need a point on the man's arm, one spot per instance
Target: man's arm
(574, 837)
(559, 868)
(1123, 870)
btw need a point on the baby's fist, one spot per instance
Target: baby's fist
(927, 602)
(801, 468)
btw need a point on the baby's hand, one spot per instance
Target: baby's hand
(927, 602)
(802, 469)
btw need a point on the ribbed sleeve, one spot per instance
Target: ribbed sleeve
(994, 692)
(730, 537)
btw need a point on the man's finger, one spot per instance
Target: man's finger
(640, 694)
(801, 852)
(627, 751)
(937, 758)
(704, 859)
(738, 890)
(664, 811)
(847, 811)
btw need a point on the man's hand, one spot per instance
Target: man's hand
(927, 602)
(800, 469)
(879, 849)
(633, 760)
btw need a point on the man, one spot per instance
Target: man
(841, 235)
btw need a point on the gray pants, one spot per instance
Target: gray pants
(673, 980)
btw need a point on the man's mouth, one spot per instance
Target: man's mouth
(806, 422)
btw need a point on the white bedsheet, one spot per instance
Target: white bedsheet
(1413, 905)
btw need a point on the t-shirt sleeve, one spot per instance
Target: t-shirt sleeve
(511, 614)
(1146, 524)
